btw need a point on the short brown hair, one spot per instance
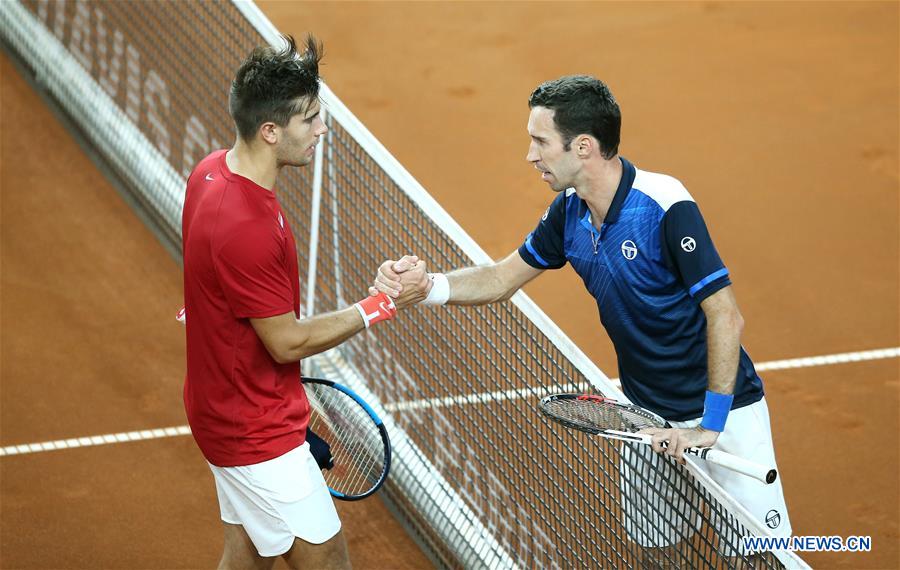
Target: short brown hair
(274, 85)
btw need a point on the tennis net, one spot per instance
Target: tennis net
(479, 477)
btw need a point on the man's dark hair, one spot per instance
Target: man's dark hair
(582, 105)
(274, 85)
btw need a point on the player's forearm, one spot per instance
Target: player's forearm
(478, 285)
(317, 334)
(723, 335)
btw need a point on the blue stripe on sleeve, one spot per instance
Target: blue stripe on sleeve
(534, 253)
(707, 280)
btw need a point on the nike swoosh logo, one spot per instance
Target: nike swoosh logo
(209, 176)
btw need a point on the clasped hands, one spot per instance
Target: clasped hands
(406, 281)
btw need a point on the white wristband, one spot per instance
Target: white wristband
(440, 290)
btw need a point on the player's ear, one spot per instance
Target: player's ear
(584, 145)
(269, 132)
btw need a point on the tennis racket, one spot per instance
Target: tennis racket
(359, 442)
(601, 416)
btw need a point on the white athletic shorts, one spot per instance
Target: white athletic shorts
(277, 500)
(661, 512)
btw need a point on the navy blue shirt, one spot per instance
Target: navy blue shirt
(649, 266)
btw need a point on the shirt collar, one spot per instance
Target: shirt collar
(628, 174)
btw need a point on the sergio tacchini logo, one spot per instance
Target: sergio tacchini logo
(773, 518)
(629, 249)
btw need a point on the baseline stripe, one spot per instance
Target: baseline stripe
(95, 440)
(825, 360)
(482, 398)
(840, 358)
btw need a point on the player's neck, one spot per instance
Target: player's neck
(254, 164)
(601, 181)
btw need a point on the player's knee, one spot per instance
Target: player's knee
(330, 555)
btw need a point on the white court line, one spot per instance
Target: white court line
(95, 440)
(521, 393)
(840, 358)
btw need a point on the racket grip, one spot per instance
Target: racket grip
(763, 473)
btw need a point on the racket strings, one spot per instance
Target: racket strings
(356, 443)
(597, 415)
(357, 466)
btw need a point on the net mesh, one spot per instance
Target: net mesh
(461, 385)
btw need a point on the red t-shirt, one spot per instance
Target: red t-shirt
(240, 262)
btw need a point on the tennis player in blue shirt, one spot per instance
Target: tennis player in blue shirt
(639, 243)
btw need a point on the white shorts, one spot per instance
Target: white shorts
(659, 513)
(277, 500)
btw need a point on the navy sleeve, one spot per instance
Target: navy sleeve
(543, 248)
(690, 252)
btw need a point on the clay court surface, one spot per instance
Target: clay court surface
(781, 119)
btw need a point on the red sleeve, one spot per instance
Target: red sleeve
(253, 273)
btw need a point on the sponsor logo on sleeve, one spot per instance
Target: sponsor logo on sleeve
(688, 244)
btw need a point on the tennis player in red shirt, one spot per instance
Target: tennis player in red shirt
(244, 400)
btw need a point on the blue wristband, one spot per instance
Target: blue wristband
(715, 410)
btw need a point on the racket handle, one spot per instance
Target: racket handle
(759, 472)
(763, 473)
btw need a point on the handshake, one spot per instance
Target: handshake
(407, 283)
